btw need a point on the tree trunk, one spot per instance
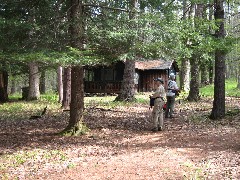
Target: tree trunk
(194, 84)
(77, 101)
(185, 63)
(60, 84)
(194, 61)
(76, 30)
(185, 75)
(238, 77)
(210, 72)
(218, 110)
(204, 74)
(210, 65)
(43, 82)
(66, 88)
(3, 86)
(127, 89)
(127, 92)
(34, 92)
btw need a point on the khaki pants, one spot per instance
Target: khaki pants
(157, 113)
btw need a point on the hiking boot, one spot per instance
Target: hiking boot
(160, 128)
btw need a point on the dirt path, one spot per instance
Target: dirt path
(121, 146)
(179, 152)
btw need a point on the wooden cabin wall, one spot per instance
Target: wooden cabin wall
(146, 79)
(102, 83)
(106, 79)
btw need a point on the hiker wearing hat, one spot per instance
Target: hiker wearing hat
(157, 113)
(171, 93)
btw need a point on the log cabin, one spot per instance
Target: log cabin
(107, 79)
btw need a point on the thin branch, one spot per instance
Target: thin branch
(169, 4)
(106, 7)
(188, 7)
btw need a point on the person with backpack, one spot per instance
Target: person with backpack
(172, 88)
(157, 113)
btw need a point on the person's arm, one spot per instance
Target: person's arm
(175, 86)
(163, 93)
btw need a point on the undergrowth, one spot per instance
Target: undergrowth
(231, 89)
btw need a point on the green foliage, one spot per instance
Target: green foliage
(233, 112)
(207, 90)
(50, 98)
(38, 31)
(24, 109)
(108, 101)
(79, 129)
(230, 89)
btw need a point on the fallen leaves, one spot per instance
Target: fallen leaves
(120, 144)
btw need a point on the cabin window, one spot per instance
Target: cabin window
(108, 74)
(89, 75)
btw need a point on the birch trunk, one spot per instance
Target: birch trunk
(33, 93)
(60, 84)
(185, 75)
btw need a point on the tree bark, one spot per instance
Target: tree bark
(210, 65)
(66, 88)
(3, 86)
(76, 29)
(204, 74)
(238, 77)
(185, 75)
(127, 89)
(34, 92)
(211, 72)
(77, 100)
(194, 84)
(43, 82)
(218, 110)
(60, 84)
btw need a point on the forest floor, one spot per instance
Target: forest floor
(121, 145)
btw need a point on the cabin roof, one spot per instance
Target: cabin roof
(155, 64)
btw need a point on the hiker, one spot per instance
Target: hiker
(157, 113)
(172, 88)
